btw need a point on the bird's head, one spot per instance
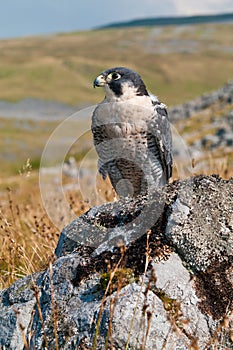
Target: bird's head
(121, 84)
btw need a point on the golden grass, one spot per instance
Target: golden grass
(27, 239)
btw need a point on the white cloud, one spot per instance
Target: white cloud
(192, 7)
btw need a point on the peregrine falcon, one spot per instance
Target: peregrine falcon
(132, 134)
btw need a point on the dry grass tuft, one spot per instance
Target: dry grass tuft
(27, 239)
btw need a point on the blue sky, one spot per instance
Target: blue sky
(30, 17)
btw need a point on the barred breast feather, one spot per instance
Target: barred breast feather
(133, 142)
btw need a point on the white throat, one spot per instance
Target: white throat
(128, 92)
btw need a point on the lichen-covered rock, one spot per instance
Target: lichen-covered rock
(200, 227)
(201, 220)
(177, 248)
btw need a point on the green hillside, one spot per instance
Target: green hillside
(177, 62)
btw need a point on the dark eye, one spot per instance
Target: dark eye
(115, 76)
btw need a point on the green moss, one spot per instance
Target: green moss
(167, 301)
(172, 308)
(121, 278)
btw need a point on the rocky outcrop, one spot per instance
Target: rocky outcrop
(224, 95)
(152, 273)
(206, 126)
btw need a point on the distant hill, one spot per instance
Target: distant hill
(165, 21)
(176, 62)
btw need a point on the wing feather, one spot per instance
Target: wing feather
(160, 138)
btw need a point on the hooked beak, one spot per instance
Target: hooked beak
(99, 81)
